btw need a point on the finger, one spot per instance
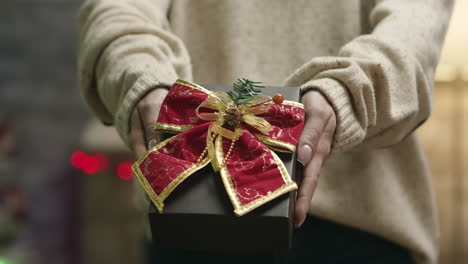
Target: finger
(137, 137)
(307, 188)
(312, 172)
(327, 137)
(317, 114)
(148, 109)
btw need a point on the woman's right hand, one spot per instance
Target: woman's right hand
(144, 116)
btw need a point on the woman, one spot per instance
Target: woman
(365, 69)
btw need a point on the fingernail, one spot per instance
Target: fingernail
(152, 142)
(299, 223)
(304, 154)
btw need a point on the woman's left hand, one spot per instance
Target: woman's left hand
(313, 147)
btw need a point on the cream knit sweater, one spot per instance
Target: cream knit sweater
(373, 60)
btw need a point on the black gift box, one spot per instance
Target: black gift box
(199, 215)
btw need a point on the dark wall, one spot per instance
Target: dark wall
(38, 90)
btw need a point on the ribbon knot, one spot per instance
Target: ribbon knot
(236, 139)
(233, 116)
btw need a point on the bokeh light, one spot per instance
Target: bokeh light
(90, 164)
(124, 171)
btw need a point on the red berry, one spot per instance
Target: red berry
(278, 98)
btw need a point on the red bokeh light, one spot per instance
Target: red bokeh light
(87, 163)
(124, 171)
(90, 165)
(77, 159)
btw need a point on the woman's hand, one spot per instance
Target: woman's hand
(313, 147)
(144, 116)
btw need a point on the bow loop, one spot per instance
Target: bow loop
(258, 123)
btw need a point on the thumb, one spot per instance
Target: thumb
(149, 108)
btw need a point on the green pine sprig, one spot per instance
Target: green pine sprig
(244, 90)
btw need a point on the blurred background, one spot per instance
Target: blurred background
(65, 180)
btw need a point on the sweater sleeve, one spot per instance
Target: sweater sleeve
(126, 48)
(380, 84)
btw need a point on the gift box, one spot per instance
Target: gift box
(220, 184)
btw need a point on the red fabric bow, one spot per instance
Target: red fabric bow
(251, 172)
